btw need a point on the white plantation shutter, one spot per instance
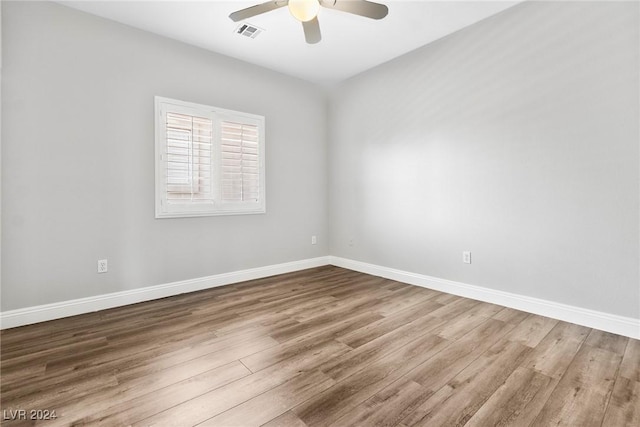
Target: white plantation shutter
(210, 161)
(188, 158)
(240, 162)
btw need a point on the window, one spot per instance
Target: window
(209, 161)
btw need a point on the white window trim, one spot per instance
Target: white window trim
(217, 207)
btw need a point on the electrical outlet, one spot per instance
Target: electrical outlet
(351, 241)
(102, 266)
(314, 240)
(466, 257)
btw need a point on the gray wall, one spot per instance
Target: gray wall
(78, 171)
(515, 138)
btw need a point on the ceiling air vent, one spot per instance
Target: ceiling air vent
(248, 30)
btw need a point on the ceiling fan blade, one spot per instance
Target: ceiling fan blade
(258, 9)
(364, 8)
(312, 31)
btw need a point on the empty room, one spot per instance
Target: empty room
(320, 213)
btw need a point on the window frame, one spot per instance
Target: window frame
(217, 206)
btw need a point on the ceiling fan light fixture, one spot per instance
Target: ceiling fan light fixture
(304, 10)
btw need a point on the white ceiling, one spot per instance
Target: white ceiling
(350, 44)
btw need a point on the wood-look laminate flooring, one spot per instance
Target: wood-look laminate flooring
(320, 347)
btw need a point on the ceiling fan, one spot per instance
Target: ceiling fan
(306, 11)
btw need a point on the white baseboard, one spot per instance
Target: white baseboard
(42, 313)
(620, 325)
(626, 326)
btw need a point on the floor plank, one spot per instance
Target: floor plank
(273, 403)
(327, 407)
(458, 327)
(555, 352)
(387, 324)
(436, 372)
(359, 358)
(509, 315)
(275, 354)
(107, 402)
(532, 330)
(607, 341)
(517, 402)
(387, 407)
(581, 397)
(457, 401)
(132, 410)
(630, 367)
(215, 402)
(288, 419)
(624, 407)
